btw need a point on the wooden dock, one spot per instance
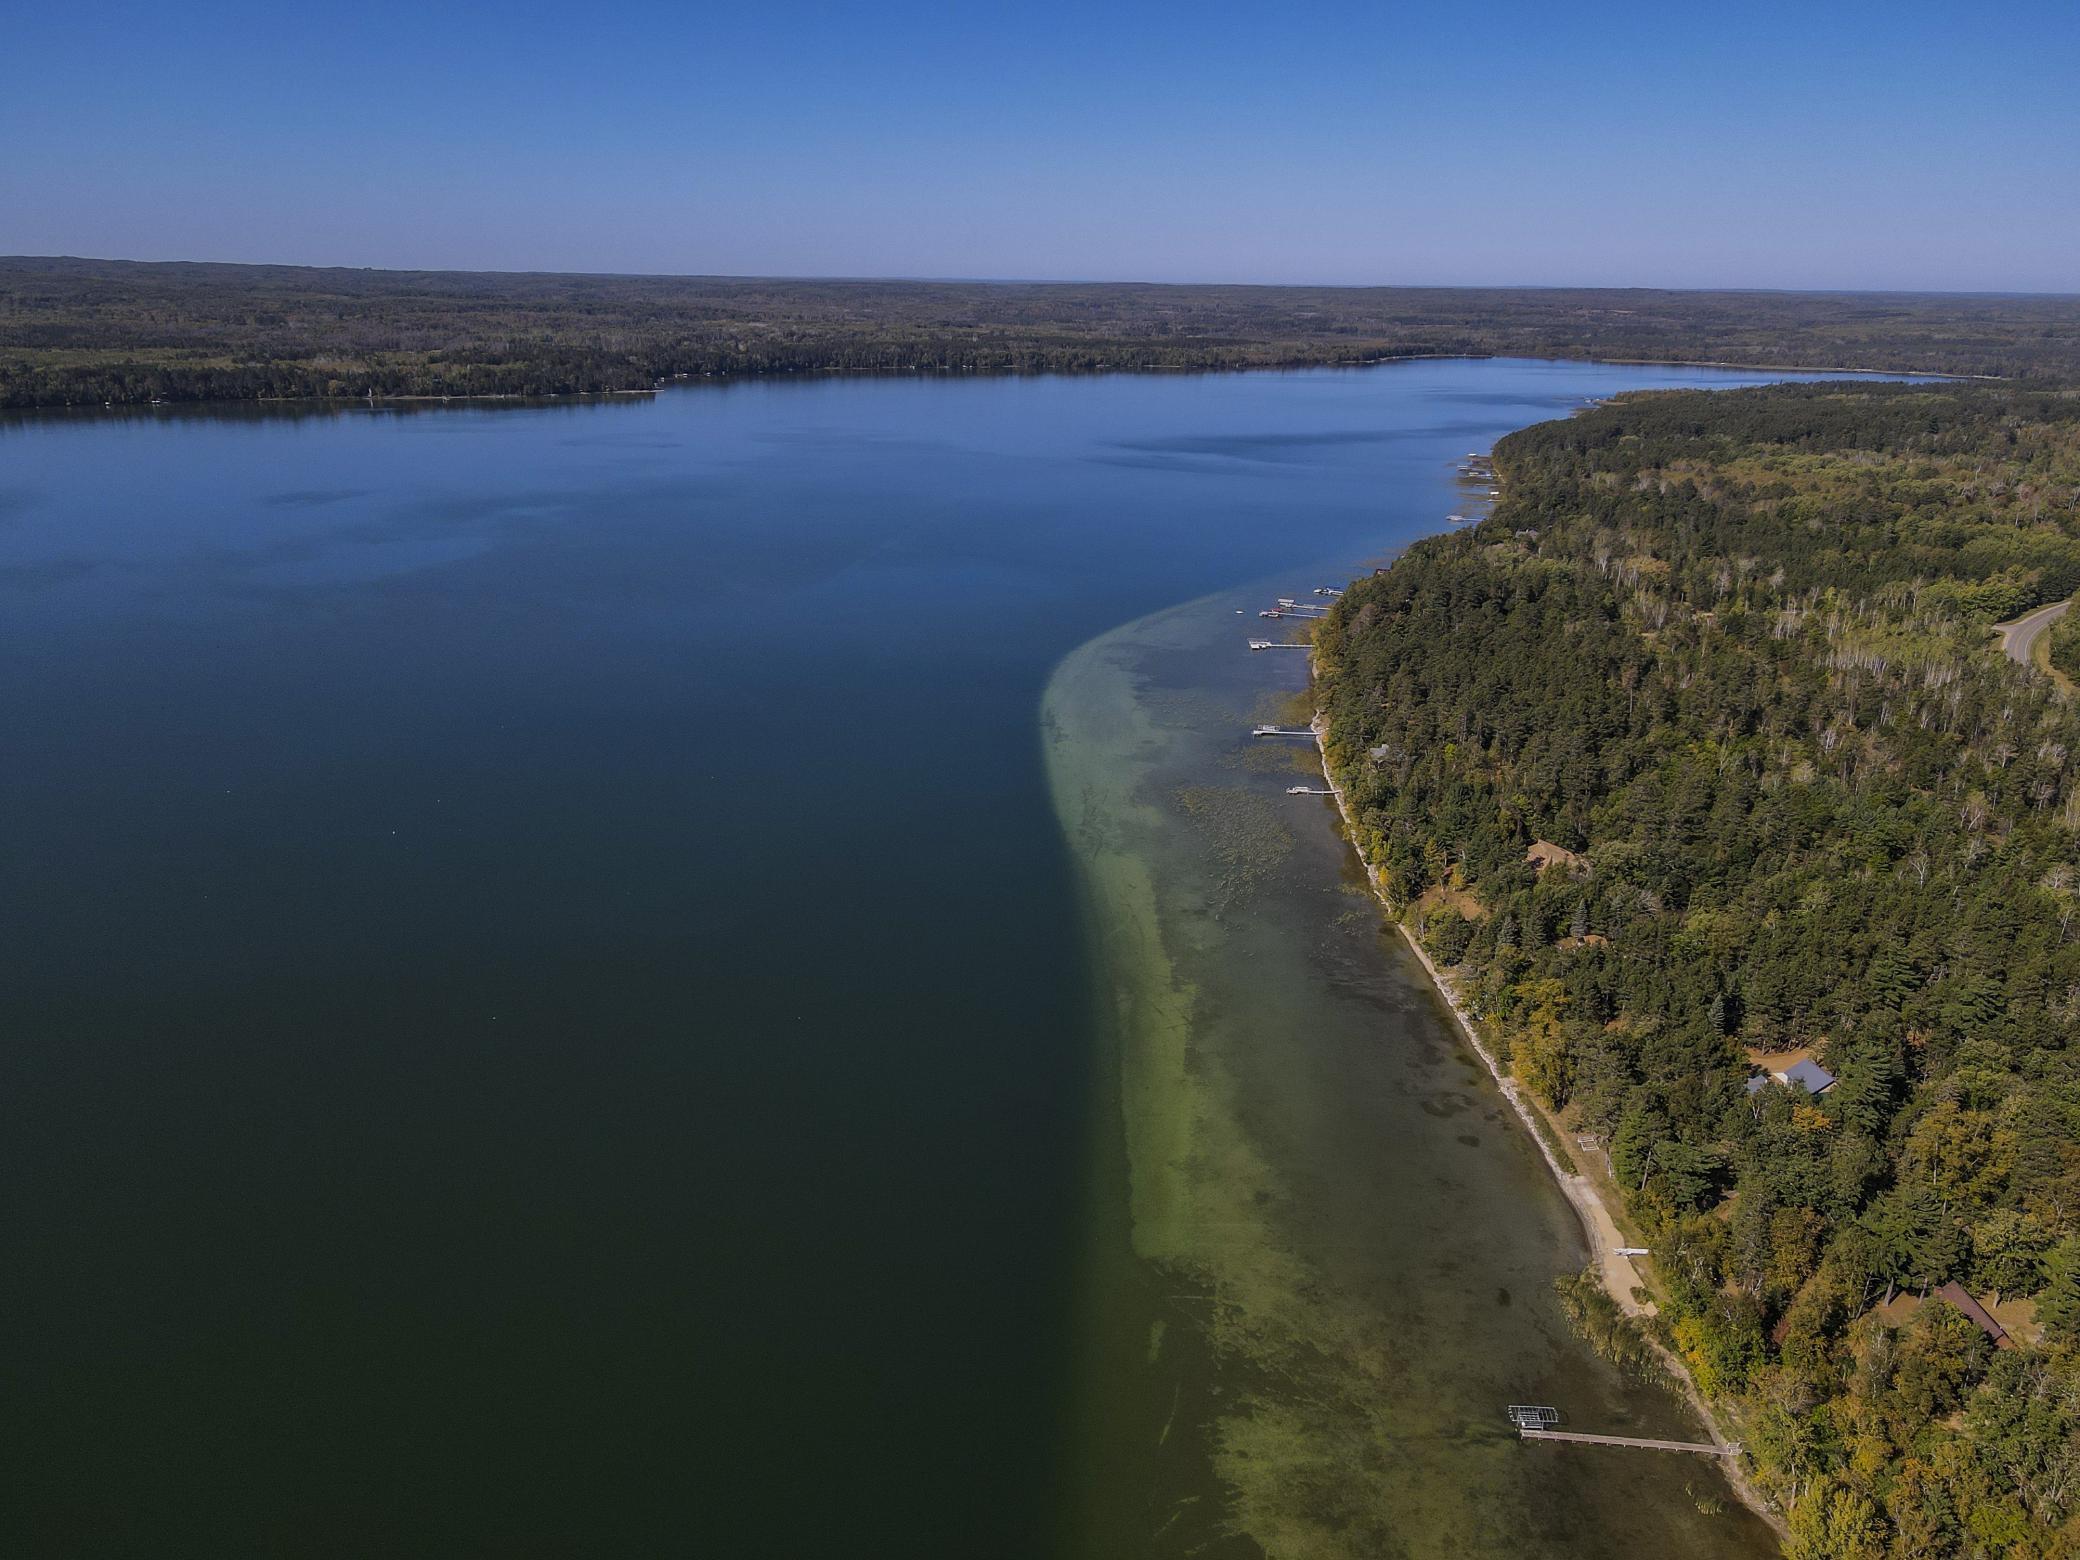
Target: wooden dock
(1708, 1448)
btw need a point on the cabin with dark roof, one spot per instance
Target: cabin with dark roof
(1807, 1075)
(1810, 1076)
(1956, 1295)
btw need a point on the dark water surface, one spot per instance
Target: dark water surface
(545, 1007)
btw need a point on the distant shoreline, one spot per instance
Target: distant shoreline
(744, 376)
(83, 332)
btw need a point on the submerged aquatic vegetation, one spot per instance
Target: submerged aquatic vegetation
(1244, 835)
(1315, 1360)
(1275, 758)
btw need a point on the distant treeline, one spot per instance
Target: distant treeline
(84, 332)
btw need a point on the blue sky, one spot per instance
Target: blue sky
(1826, 144)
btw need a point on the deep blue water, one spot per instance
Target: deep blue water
(543, 1007)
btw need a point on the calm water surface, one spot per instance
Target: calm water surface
(549, 1010)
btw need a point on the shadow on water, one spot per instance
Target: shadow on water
(1322, 1255)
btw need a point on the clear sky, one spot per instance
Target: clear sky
(1829, 143)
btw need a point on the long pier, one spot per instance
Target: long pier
(1283, 731)
(1708, 1448)
(1278, 644)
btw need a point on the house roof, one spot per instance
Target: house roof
(1544, 853)
(1807, 1075)
(1810, 1076)
(1954, 1292)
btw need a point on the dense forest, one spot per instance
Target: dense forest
(2064, 648)
(1695, 762)
(86, 332)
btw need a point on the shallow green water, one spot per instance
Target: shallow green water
(1338, 1245)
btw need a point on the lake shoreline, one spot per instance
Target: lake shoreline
(1248, 1301)
(1600, 1228)
(755, 376)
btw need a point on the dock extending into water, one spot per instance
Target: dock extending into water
(1707, 1448)
(1535, 1422)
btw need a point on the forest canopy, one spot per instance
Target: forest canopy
(1696, 761)
(85, 332)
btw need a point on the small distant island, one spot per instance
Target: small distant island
(77, 332)
(1699, 772)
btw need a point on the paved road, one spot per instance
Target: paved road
(2019, 637)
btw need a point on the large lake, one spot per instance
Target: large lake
(565, 996)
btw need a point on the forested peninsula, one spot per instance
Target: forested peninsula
(1697, 770)
(79, 332)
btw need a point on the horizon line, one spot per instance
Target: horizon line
(924, 279)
